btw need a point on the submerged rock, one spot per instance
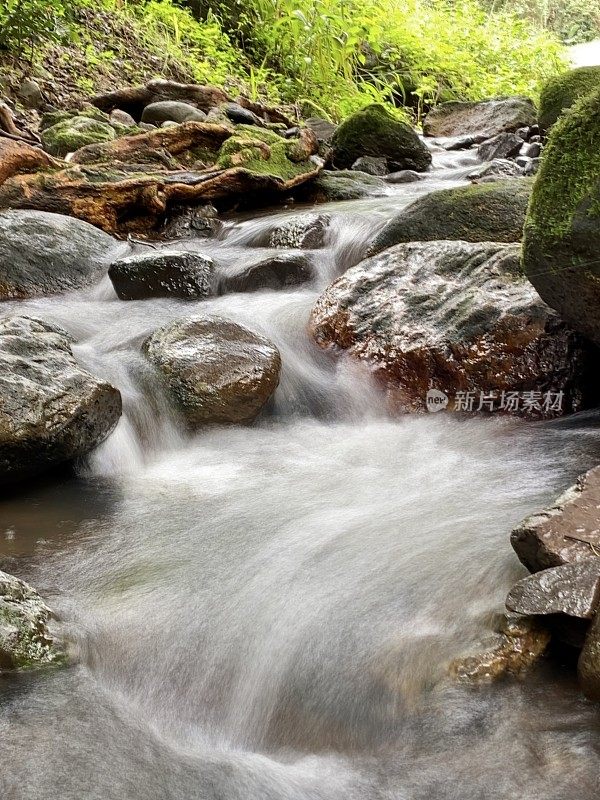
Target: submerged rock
(25, 639)
(277, 272)
(42, 253)
(572, 589)
(567, 532)
(491, 212)
(489, 117)
(404, 176)
(456, 317)
(162, 274)
(518, 645)
(562, 230)
(51, 409)
(373, 131)
(215, 370)
(564, 90)
(306, 232)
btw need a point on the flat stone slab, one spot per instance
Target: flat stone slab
(567, 532)
(572, 589)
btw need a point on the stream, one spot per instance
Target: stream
(268, 612)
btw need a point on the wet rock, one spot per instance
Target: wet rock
(371, 165)
(195, 222)
(215, 370)
(241, 116)
(567, 532)
(305, 232)
(162, 274)
(518, 646)
(71, 134)
(373, 131)
(562, 230)
(404, 176)
(495, 170)
(533, 150)
(43, 253)
(504, 145)
(277, 272)
(51, 410)
(532, 167)
(572, 589)
(342, 185)
(563, 91)
(171, 111)
(588, 666)
(324, 130)
(457, 317)
(25, 638)
(490, 117)
(491, 212)
(452, 143)
(30, 94)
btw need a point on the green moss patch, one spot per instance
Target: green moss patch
(561, 92)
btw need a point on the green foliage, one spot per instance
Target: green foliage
(28, 22)
(573, 21)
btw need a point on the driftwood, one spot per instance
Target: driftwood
(18, 158)
(138, 149)
(134, 99)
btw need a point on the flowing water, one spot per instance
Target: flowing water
(268, 612)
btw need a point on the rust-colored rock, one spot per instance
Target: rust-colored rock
(20, 158)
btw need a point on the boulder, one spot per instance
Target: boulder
(488, 118)
(563, 91)
(339, 186)
(562, 230)
(499, 169)
(373, 131)
(323, 130)
(162, 274)
(504, 145)
(215, 371)
(460, 318)
(189, 223)
(371, 165)
(565, 533)
(518, 645)
(51, 409)
(26, 641)
(277, 272)
(30, 94)
(171, 111)
(572, 589)
(43, 253)
(306, 232)
(75, 132)
(491, 212)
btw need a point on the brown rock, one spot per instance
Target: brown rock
(572, 589)
(588, 667)
(567, 532)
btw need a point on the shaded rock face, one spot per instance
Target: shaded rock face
(306, 232)
(563, 91)
(489, 118)
(588, 666)
(453, 316)
(25, 638)
(71, 134)
(516, 647)
(323, 130)
(566, 533)
(373, 131)
(162, 274)
(189, 223)
(562, 230)
(371, 165)
(504, 145)
(278, 272)
(493, 212)
(42, 253)
(215, 370)
(51, 410)
(171, 111)
(572, 589)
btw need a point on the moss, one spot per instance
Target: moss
(561, 92)
(71, 134)
(261, 152)
(374, 131)
(52, 118)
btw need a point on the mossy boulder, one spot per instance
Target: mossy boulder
(75, 132)
(562, 230)
(263, 152)
(488, 212)
(373, 131)
(341, 185)
(561, 92)
(25, 638)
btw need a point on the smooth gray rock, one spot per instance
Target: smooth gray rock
(51, 409)
(173, 273)
(42, 253)
(371, 165)
(572, 589)
(404, 176)
(171, 111)
(215, 371)
(118, 117)
(278, 272)
(240, 115)
(30, 94)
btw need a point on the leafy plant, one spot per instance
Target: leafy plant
(24, 23)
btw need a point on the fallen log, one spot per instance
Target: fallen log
(134, 99)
